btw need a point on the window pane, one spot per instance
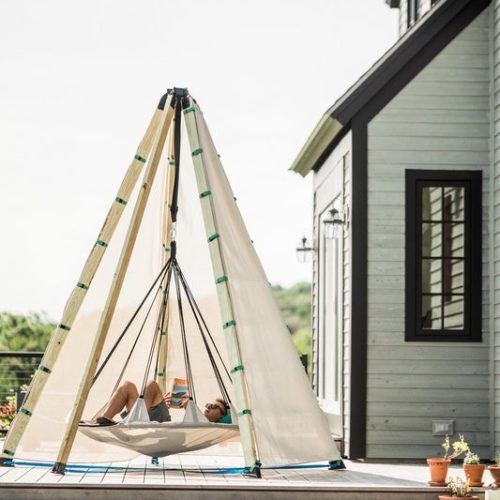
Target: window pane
(431, 276)
(454, 203)
(453, 276)
(454, 312)
(431, 203)
(431, 312)
(453, 240)
(431, 240)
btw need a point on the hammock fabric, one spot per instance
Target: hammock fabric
(161, 439)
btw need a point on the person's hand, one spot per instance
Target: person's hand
(184, 402)
(167, 397)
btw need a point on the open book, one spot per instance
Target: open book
(179, 390)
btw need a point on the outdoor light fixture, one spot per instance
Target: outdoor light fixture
(333, 223)
(303, 250)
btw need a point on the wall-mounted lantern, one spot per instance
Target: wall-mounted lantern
(333, 223)
(304, 250)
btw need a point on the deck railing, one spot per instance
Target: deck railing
(16, 370)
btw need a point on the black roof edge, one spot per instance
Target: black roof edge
(397, 57)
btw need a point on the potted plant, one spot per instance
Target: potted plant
(459, 488)
(439, 466)
(495, 469)
(473, 469)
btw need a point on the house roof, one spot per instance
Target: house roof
(337, 120)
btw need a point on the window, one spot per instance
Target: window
(411, 12)
(443, 255)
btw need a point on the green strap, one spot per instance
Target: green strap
(81, 285)
(213, 237)
(229, 323)
(25, 411)
(162, 334)
(44, 369)
(189, 110)
(161, 374)
(205, 193)
(167, 249)
(246, 411)
(236, 369)
(102, 243)
(197, 152)
(64, 327)
(140, 158)
(221, 279)
(171, 162)
(8, 452)
(120, 200)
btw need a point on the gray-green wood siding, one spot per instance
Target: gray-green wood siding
(324, 193)
(440, 120)
(495, 212)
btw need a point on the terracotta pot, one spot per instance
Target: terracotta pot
(474, 473)
(495, 473)
(446, 497)
(438, 468)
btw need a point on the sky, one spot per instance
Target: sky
(79, 83)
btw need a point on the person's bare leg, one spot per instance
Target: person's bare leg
(152, 394)
(124, 397)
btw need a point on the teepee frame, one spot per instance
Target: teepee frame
(157, 131)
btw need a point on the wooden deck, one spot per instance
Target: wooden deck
(140, 477)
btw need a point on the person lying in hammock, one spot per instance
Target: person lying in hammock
(124, 398)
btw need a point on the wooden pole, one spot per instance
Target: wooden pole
(167, 238)
(77, 296)
(245, 419)
(109, 309)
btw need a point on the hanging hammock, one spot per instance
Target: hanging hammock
(136, 431)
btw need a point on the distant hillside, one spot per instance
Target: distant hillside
(295, 305)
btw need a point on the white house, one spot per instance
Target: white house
(406, 301)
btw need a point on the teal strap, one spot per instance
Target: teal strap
(246, 411)
(221, 279)
(161, 374)
(205, 193)
(189, 110)
(229, 323)
(162, 334)
(64, 327)
(25, 411)
(8, 452)
(197, 152)
(236, 369)
(44, 369)
(120, 200)
(81, 285)
(213, 237)
(140, 158)
(102, 243)
(171, 162)
(167, 249)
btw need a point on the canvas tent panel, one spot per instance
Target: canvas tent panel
(44, 432)
(289, 426)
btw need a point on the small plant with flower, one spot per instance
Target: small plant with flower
(459, 487)
(472, 458)
(459, 447)
(7, 412)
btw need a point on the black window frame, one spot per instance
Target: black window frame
(471, 180)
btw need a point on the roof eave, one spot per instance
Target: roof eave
(321, 137)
